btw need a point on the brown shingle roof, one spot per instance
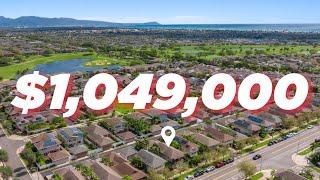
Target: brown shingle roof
(218, 135)
(205, 140)
(70, 173)
(58, 155)
(126, 135)
(99, 135)
(105, 172)
(169, 153)
(288, 175)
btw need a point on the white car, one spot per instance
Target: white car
(209, 169)
(310, 127)
(189, 177)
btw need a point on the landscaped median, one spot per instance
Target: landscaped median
(256, 176)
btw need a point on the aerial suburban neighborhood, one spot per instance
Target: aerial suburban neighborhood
(126, 144)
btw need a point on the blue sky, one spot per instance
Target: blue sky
(170, 11)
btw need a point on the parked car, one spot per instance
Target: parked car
(189, 177)
(210, 168)
(271, 143)
(310, 127)
(228, 161)
(317, 140)
(198, 173)
(285, 138)
(219, 165)
(231, 160)
(256, 157)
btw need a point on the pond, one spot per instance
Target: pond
(66, 66)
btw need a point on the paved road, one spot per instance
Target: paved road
(14, 162)
(277, 156)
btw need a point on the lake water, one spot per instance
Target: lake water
(237, 27)
(67, 66)
(70, 66)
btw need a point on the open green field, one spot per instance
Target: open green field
(206, 52)
(102, 60)
(139, 56)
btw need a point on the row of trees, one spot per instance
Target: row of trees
(5, 171)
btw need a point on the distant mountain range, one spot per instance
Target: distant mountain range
(36, 22)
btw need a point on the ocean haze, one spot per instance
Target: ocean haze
(40, 22)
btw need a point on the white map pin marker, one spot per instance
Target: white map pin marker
(168, 138)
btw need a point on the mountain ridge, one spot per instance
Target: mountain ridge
(36, 22)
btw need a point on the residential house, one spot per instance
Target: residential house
(155, 113)
(23, 120)
(202, 114)
(246, 127)
(171, 123)
(100, 136)
(205, 140)
(116, 124)
(127, 152)
(288, 175)
(169, 153)
(272, 118)
(78, 151)
(155, 129)
(152, 161)
(46, 143)
(140, 116)
(70, 136)
(268, 126)
(187, 146)
(218, 135)
(59, 157)
(175, 113)
(127, 136)
(105, 172)
(123, 167)
(192, 120)
(69, 173)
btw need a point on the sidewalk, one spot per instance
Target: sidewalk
(300, 160)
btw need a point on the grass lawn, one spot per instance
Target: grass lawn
(315, 168)
(8, 72)
(305, 151)
(101, 60)
(124, 108)
(256, 176)
(259, 145)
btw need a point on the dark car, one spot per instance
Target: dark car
(270, 143)
(228, 161)
(219, 165)
(317, 140)
(256, 157)
(198, 173)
